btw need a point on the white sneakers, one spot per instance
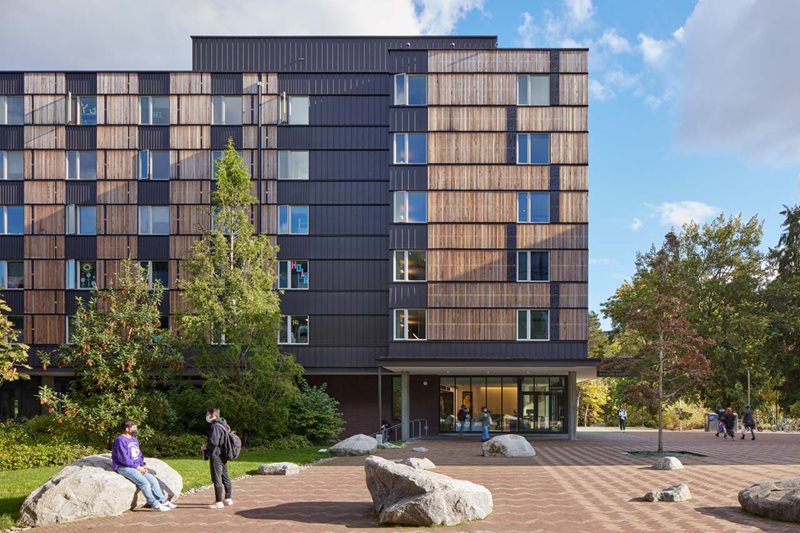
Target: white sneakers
(162, 507)
(220, 505)
(229, 501)
(169, 504)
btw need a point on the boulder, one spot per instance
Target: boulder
(419, 449)
(508, 446)
(405, 496)
(389, 446)
(778, 499)
(674, 493)
(322, 450)
(419, 464)
(279, 469)
(355, 445)
(668, 463)
(89, 488)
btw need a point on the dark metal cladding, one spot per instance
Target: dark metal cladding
(82, 83)
(332, 193)
(12, 246)
(337, 165)
(153, 247)
(554, 89)
(226, 83)
(15, 300)
(406, 295)
(334, 303)
(81, 192)
(341, 220)
(80, 246)
(12, 192)
(12, 137)
(405, 119)
(12, 83)
(351, 110)
(511, 254)
(314, 54)
(332, 138)
(495, 350)
(555, 215)
(153, 83)
(81, 137)
(555, 177)
(412, 61)
(408, 236)
(154, 137)
(408, 177)
(335, 84)
(153, 192)
(221, 134)
(334, 247)
(350, 275)
(345, 357)
(555, 60)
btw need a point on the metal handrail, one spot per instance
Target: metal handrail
(418, 428)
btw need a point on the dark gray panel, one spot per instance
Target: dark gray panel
(341, 84)
(335, 247)
(511, 139)
(80, 246)
(226, 83)
(349, 110)
(12, 192)
(349, 220)
(15, 300)
(81, 192)
(12, 137)
(221, 134)
(403, 295)
(163, 305)
(151, 83)
(554, 89)
(511, 119)
(554, 61)
(555, 177)
(81, 137)
(154, 137)
(71, 300)
(412, 61)
(334, 303)
(345, 357)
(554, 207)
(154, 192)
(12, 247)
(408, 177)
(408, 119)
(408, 236)
(511, 253)
(511, 350)
(347, 330)
(82, 83)
(363, 275)
(332, 138)
(332, 193)
(347, 165)
(12, 83)
(152, 247)
(555, 331)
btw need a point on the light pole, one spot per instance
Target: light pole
(748, 388)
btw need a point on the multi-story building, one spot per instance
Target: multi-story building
(428, 194)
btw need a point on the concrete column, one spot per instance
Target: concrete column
(572, 401)
(405, 403)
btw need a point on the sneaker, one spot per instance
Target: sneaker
(218, 505)
(169, 504)
(160, 507)
(228, 501)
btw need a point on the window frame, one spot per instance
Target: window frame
(405, 311)
(73, 274)
(288, 263)
(286, 321)
(73, 219)
(4, 113)
(68, 330)
(149, 211)
(20, 332)
(150, 110)
(404, 101)
(285, 109)
(529, 323)
(78, 166)
(406, 253)
(405, 196)
(529, 90)
(223, 99)
(5, 276)
(528, 254)
(288, 155)
(407, 135)
(74, 116)
(529, 145)
(4, 160)
(147, 266)
(148, 174)
(528, 195)
(4, 222)
(287, 208)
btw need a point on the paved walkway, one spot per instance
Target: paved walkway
(589, 485)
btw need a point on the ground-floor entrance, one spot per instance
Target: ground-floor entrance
(517, 404)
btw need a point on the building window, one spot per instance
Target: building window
(153, 220)
(12, 111)
(227, 110)
(11, 165)
(533, 90)
(533, 148)
(82, 110)
(410, 148)
(81, 165)
(411, 206)
(153, 164)
(155, 271)
(294, 329)
(12, 221)
(81, 274)
(81, 220)
(293, 110)
(533, 266)
(13, 275)
(410, 89)
(154, 110)
(533, 207)
(292, 165)
(293, 275)
(410, 265)
(409, 324)
(293, 219)
(533, 325)
(18, 325)
(72, 326)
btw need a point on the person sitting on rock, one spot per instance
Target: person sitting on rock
(127, 461)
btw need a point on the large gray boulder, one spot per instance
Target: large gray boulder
(778, 499)
(405, 496)
(508, 446)
(668, 463)
(356, 445)
(674, 493)
(89, 488)
(279, 469)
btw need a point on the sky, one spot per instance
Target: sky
(693, 103)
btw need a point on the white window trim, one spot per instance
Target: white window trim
(3, 110)
(528, 253)
(406, 76)
(289, 277)
(4, 166)
(148, 175)
(74, 282)
(73, 213)
(5, 221)
(149, 100)
(405, 311)
(405, 201)
(529, 135)
(4, 273)
(405, 258)
(150, 219)
(223, 98)
(528, 325)
(405, 146)
(289, 219)
(77, 165)
(528, 89)
(530, 210)
(287, 322)
(147, 266)
(76, 120)
(289, 164)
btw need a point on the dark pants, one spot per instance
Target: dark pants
(729, 431)
(220, 479)
(622, 422)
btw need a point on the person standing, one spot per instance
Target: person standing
(729, 421)
(622, 414)
(213, 451)
(749, 423)
(462, 419)
(486, 421)
(720, 420)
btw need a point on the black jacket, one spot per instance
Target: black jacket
(728, 420)
(216, 437)
(748, 419)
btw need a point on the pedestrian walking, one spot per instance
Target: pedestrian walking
(729, 422)
(720, 420)
(486, 421)
(214, 451)
(749, 423)
(622, 414)
(463, 415)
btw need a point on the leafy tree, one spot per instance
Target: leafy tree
(593, 395)
(14, 356)
(652, 309)
(119, 355)
(233, 317)
(315, 414)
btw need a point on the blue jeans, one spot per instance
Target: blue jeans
(147, 483)
(485, 431)
(461, 425)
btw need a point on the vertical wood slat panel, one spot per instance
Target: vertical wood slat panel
(472, 89)
(573, 207)
(573, 295)
(116, 192)
(250, 79)
(190, 192)
(45, 274)
(45, 219)
(574, 178)
(194, 110)
(48, 164)
(471, 324)
(194, 164)
(573, 324)
(467, 148)
(45, 137)
(489, 61)
(191, 137)
(573, 61)
(573, 89)
(569, 148)
(569, 265)
(118, 220)
(177, 305)
(189, 219)
(48, 329)
(45, 109)
(552, 118)
(181, 245)
(44, 302)
(489, 177)
(45, 192)
(118, 137)
(117, 165)
(44, 246)
(472, 265)
(467, 119)
(116, 247)
(117, 83)
(190, 83)
(484, 295)
(549, 236)
(474, 236)
(45, 83)
(121, 110)
(471, 207)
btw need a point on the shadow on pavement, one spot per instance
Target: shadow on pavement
(350, 514)
(734, 515)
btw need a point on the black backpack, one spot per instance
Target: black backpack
(233, 445)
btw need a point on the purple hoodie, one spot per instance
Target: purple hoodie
(126, 452)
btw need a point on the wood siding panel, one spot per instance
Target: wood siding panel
(45, 192)
(118, 137)
(180, 245)
(45, 302)
(121, 110)
(466, 119)
(573, 325)
(116, 192)
(49, 329)
(49, 165)
(177, 305)
(474, 236)
(45, 137)
(117, 83)
(471, 324)
(194, 110)
(472, 89)
(552, 118)
(467, 148)
(482, 295)
(189, 219)
(45, 274)
(573, 295)
(472, 265)
(549, 236)
(569, 265)
(190, 192)
(118, 220)
(489, 177)
(107, 272)
(116, 247)
(118, 165)
(190, 83)
(191, 137)
(573, 89)
(45, 83)
(489, 61)
(250, 80)
(573, 61)
(471, 207)
(45, 109)
(569, 148)
(44, 246)
(45, 219)
(574, 178)
(269, 109)
(194, 164)
(573, 207)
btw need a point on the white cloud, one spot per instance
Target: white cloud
(654, 51)
(636, 224)
(153, 34)
(680, 213)
(613, 81)
(580, 11)
(653, 102)
(678, 35)
(598, 91)
(740, 83)
(614, 42)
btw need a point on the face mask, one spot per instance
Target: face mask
(209, 419)
(134, 432)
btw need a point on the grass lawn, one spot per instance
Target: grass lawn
(15, 485)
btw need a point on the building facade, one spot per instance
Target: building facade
(429, 196)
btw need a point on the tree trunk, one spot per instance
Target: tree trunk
(586, 417)
(661, 394)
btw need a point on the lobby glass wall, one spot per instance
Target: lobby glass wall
(517, 404)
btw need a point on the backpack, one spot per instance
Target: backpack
(232, 447)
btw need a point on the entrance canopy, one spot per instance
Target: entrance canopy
(584, 368)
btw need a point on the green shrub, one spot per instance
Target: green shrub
(161, 445)
(36, 444)
(315, 414)
(290, 442)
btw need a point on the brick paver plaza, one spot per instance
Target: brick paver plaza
(586, 485)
